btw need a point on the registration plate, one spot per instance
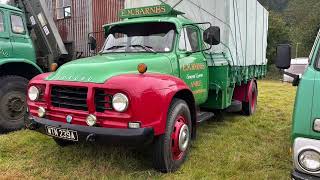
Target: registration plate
(62, 133)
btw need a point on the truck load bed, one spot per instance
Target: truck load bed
(243, 24)
(241, 55)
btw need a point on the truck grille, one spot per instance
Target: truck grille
(103, 100)
(69, 97)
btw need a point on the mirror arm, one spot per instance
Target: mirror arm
(290, 74)
(296, 78)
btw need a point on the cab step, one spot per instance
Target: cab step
(236, 106)
(204, 116)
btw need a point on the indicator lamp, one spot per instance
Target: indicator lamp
(142, 68)
(53, 67)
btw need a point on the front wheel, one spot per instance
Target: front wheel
(171, 148)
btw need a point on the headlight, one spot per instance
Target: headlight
(91, 120)
(120, 102)
(309, 160)
(316, 125)
(33, 93)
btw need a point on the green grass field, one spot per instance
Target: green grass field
(232, 147)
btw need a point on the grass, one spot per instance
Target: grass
(233, 147)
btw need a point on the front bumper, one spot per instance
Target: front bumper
(97, 134)
(300, 176)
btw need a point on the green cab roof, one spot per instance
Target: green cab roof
(178, 21)
(5, 6)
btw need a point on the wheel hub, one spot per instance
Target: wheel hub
(180, 138)
(15, 106)
(183, 138)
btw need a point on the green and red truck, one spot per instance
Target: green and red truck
(306, 116)
(163, 69)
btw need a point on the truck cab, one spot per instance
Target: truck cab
(17, 67)
(305, 124)
(151, 83)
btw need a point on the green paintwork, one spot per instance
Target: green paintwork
(159, 10)
(15, 47)
(102, 67)
(307, 104)
(211, 77)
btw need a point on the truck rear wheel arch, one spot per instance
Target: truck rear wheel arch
(187, 96)
(22, 69)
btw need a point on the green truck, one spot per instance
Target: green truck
(29, 44)
(161, 72)
(306, 122)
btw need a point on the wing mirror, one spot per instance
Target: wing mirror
(211, 35)
(283, 58)
(92, 43)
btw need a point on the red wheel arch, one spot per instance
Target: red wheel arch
(243, 92)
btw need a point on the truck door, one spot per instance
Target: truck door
(5, 43)
(192, 62)
(19, 38)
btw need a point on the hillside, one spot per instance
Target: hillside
(292, 21)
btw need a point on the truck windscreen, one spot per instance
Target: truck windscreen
(140, 37)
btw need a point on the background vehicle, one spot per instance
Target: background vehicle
(188, 65)
(306, 123)
(30, 43)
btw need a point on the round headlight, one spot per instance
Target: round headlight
(33, 93)
(91, 120)
(120, 102)
(309, 160)
(41, 112)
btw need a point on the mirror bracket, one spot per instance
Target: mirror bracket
(296, 78)
(92, 43)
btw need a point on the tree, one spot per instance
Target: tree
(278, 34)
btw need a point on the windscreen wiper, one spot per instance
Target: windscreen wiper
(113, 48)
(147, 48)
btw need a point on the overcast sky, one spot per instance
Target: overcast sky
(4, 1)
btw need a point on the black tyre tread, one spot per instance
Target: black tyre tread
(159, 161)
(4, 126)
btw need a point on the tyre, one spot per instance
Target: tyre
(171, 149)
(63, 143)
(13, 105)
(249, 107)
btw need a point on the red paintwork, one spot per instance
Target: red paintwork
(177, 154)
(149, 96)
(253, 100)
(243, 92)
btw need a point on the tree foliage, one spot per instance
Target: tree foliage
(279, 33)
(294, 21)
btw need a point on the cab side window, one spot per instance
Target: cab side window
(1, 22)
(189, 39)
(17, 24)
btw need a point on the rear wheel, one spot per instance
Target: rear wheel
(249, 107)
(13, 106)
(171, 148)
